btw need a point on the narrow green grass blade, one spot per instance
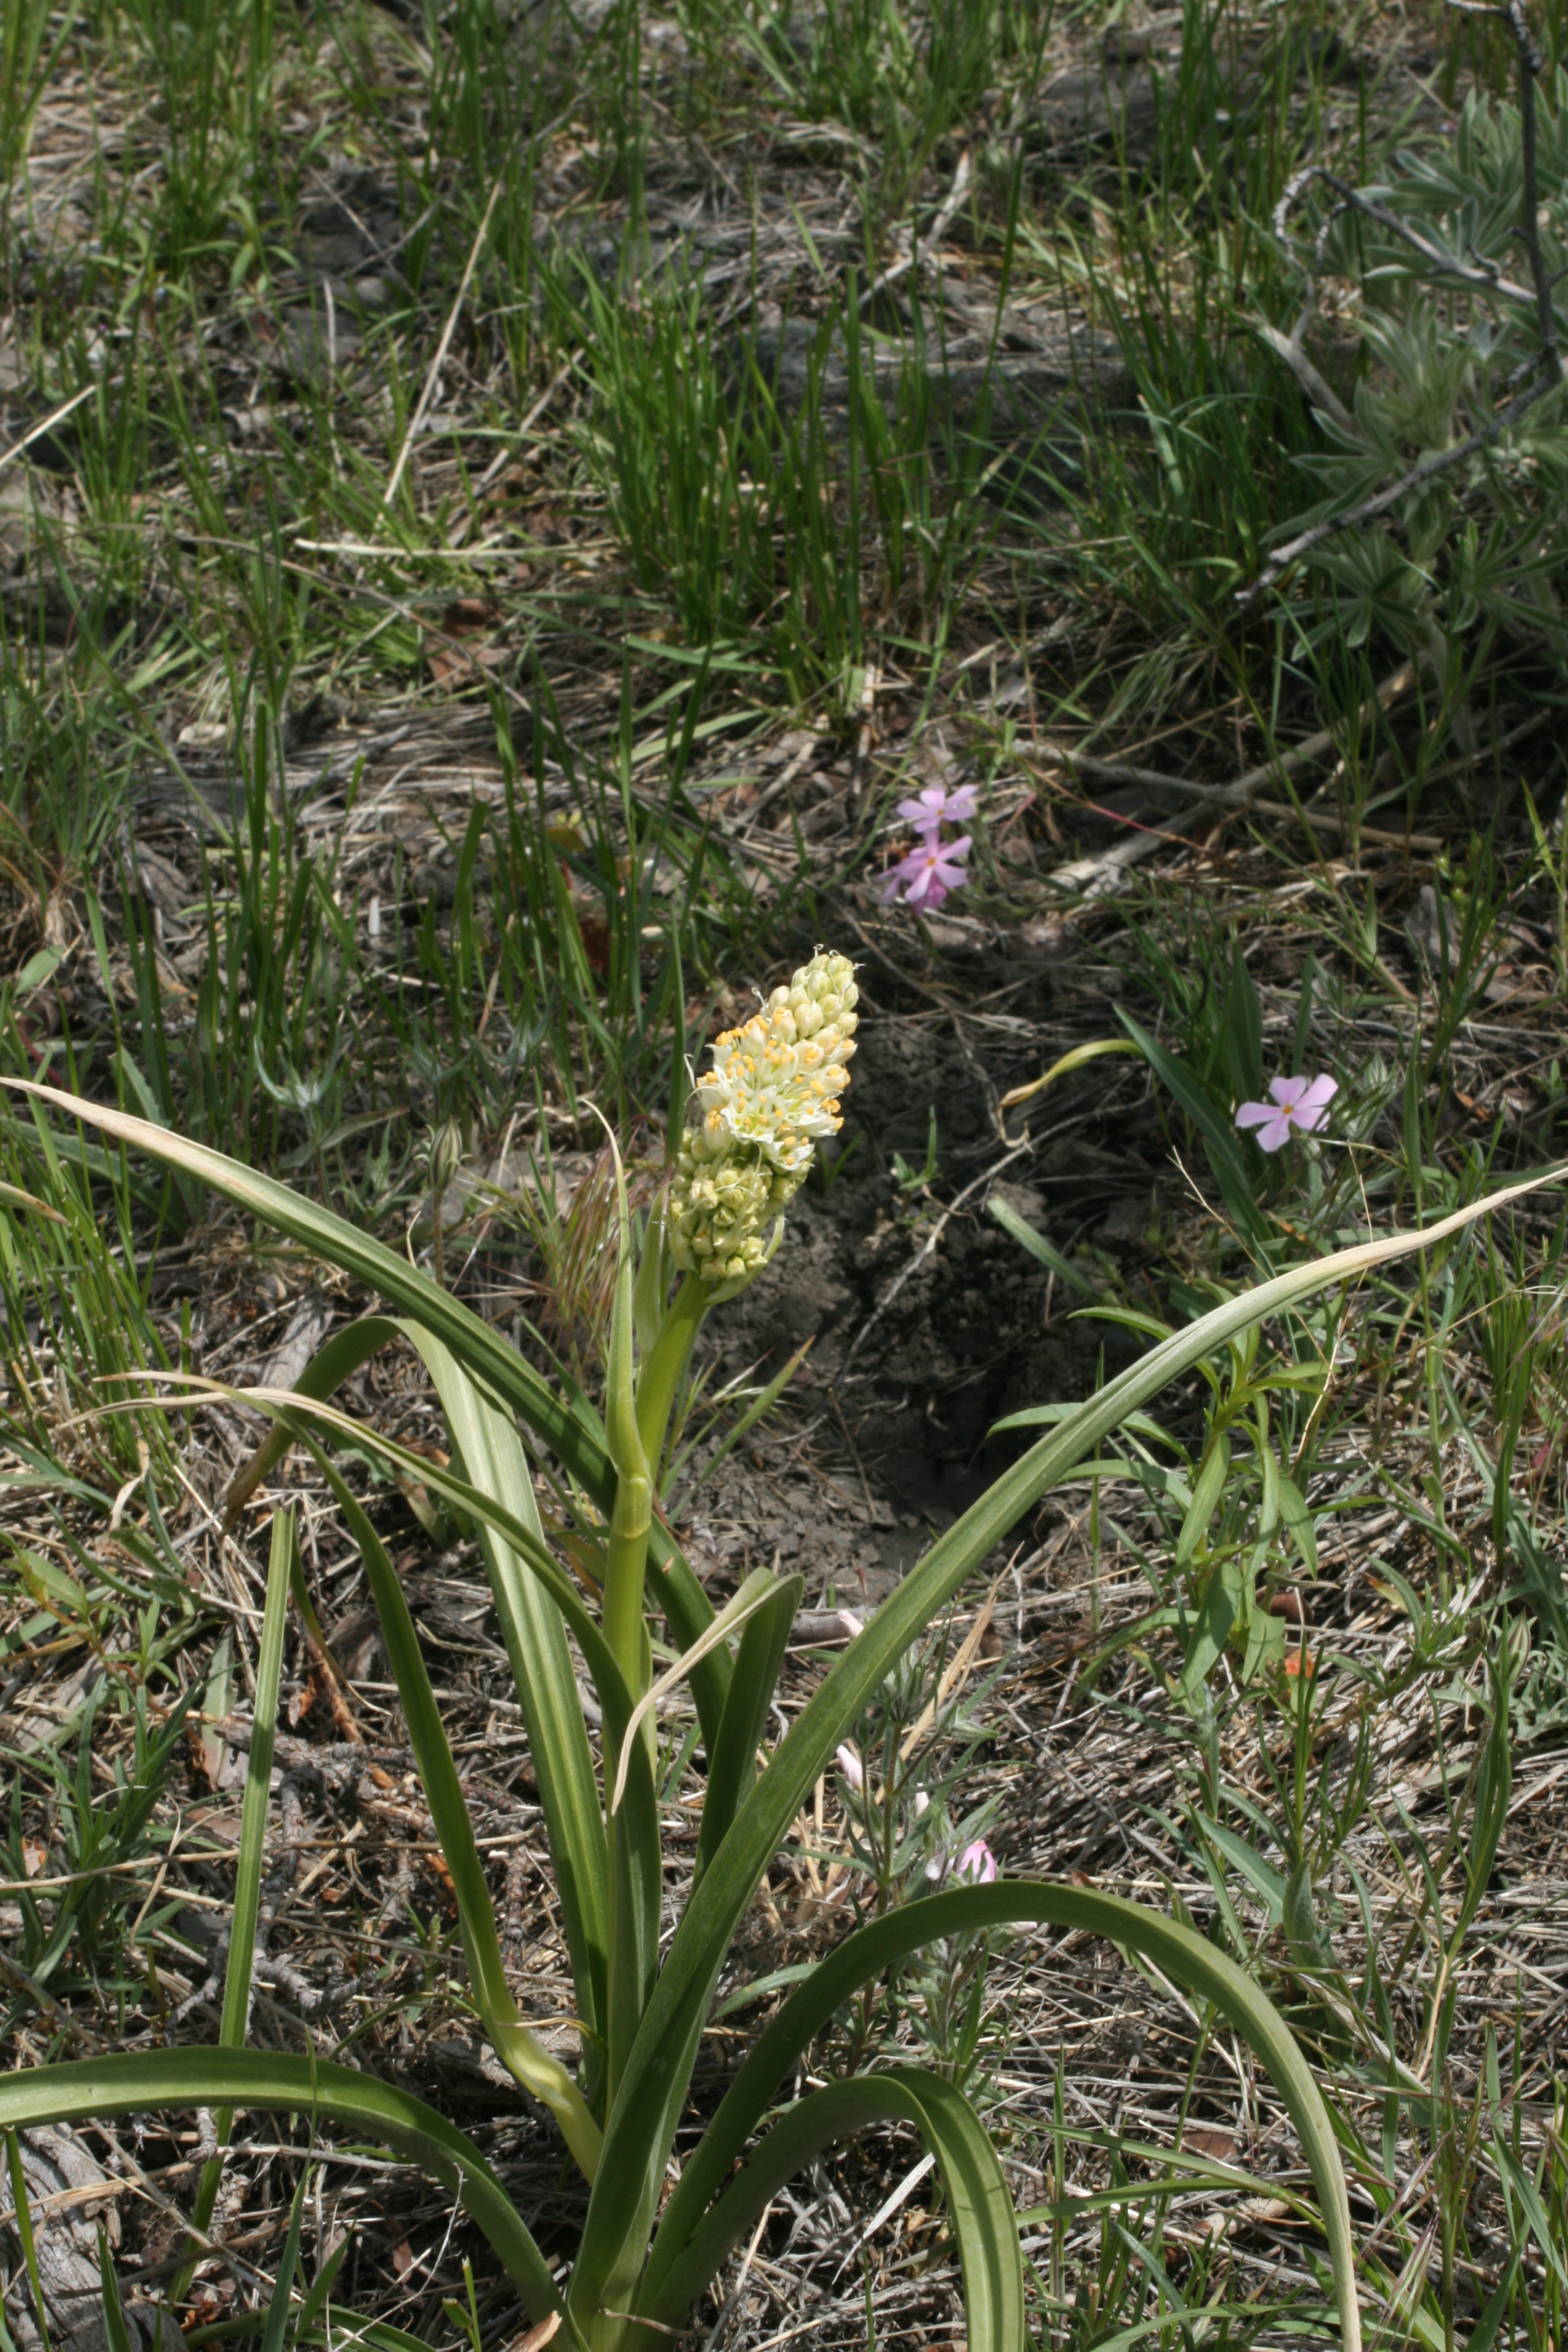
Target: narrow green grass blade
(760, 1404)
(254, 1808)
(116, 2332)
(93, 2089)
(491, 1454)
(632, 2167)
(1219, 1139)
(519, 2050)
(22, 2212)
(279, 2303)
(315, 2303)
(1045, 1252)
(979, 2207)
(258, 1796)
(568, 1428)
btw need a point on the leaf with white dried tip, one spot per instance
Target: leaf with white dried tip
(758, 1590)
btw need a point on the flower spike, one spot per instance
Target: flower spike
(771, 1096)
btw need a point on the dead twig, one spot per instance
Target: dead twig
(1418, 475)
(1097, 877)
(921, 248)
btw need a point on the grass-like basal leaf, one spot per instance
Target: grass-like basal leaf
(131, 2083)
(518, 2049)
(489, 1451)
(252, 1856)
(980, 2208)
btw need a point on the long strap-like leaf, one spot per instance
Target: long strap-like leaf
(980, 2211)
(1184, 1956)
(569, 1428)
(631, 2168)
(492, 1456)
(88, 2090)
(529, 2060)
(733, 1764)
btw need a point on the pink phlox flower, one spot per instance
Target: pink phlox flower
(854, 1771)
(976, 1864)
(925, 877)
(936, 806)
(1299, 1105)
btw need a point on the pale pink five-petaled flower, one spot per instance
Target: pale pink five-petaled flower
(925, 877)
(935, 867)
(1299, 1105)
(936, 806)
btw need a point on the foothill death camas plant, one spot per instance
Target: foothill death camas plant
(654, 2239)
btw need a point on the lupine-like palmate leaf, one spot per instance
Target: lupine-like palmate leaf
(620, 2117)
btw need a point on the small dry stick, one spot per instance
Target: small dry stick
(923, 247)
(1242, 795)
(1530, 63)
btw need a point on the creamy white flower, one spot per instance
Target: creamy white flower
(776, 1079)
(772, 1094)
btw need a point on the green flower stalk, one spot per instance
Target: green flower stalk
(771, 1096)
(773, 1092)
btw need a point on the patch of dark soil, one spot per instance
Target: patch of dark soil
(928, 1323)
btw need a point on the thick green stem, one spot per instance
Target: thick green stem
(636, 1423)
(631, 1515)
(665, 1363)
(625, 1567)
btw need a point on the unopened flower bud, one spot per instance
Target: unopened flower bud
(446, 1157)
(976, 1864)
